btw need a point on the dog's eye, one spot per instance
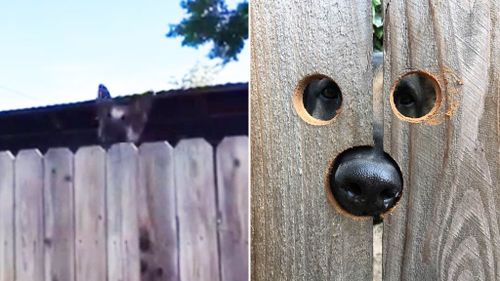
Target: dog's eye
(108, 115)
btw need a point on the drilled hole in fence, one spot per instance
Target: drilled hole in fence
(317, 99)
(416, 96)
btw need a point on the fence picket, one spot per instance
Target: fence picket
(157, 213)
(6, 216)
(125, 213)
(296, 234)
(29, 216)
(90, 224)
(196, 208)
(232, 181)
(121, 192)
(59, 215)
(447, 226)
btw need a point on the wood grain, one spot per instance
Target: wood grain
(29, 216)
(232, 189)
(59, 215)
(7, 265)
(196, 209)
(296, 234)
(122, 216)
(157, 213)
(113, 215)
(447, 227)
(90, 214)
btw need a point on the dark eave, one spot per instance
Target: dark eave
(209, 112)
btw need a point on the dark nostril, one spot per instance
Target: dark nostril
(364, 182)
(352, 190)
(388, 197)
(387, 194)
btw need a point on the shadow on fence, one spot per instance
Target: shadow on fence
(148, 213)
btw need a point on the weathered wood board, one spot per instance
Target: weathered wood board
(124, 213)
(232, 190)
(157, 213)
(122, 175)
(196, 209)
(7, 265)
(29, 236)
(59, 215)
(448, 224)
(296, 234)
(90, 214)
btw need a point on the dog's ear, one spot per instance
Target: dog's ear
(103, 102)
(103, 93)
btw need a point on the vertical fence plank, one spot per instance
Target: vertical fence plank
(121, 191)
(296, 234)
(232, 189)
(196, 209)
(6, 216)
(447, 227)
(29, 216)
(157, 213)
(59, 215)
(90, 214)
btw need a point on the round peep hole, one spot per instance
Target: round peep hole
(364, 182)
(415, 96)
(317, 99)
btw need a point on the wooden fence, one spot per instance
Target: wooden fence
(152, 213)
(447, 225)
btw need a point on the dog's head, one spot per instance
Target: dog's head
(123, 120)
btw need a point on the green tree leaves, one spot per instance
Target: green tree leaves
(378, 25)
(212, 21)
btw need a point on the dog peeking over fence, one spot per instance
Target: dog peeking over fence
(121, 120)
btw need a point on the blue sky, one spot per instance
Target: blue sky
(59, 51)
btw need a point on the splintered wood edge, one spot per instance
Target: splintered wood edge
(427, 118)
(333, 202)
(298, 101)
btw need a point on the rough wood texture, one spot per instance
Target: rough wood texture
(296, 234)
(90, 214)
(7, 265)
(232, 188)
(59, 215)
(29, 216)
(447, 226)
(196, 209)
(157, 213)
(123, 233)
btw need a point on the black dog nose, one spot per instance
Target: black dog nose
(365, 181)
